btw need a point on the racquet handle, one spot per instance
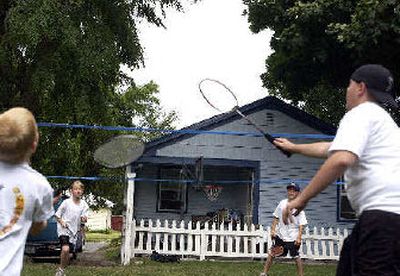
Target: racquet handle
(271, 140)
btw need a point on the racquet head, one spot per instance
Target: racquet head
(218, 95)
(119, 151)
(221, 98)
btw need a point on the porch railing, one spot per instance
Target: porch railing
(224, 241)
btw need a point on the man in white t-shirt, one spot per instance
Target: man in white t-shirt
(25, 194)
(286, 237)
(366, 149)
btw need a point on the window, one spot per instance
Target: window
(172, 191)
(345, 211)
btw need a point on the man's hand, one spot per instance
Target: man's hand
(62, 223)
(297, 242)
(284, 144)
(293, 208)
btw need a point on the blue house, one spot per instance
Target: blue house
(220, 170)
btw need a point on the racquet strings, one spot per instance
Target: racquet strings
(218, 95)
(119, 151)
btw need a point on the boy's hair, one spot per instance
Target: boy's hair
(79, 184)
(57, 192)
(18, 134)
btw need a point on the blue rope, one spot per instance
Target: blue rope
(185, 131)
(189, 181)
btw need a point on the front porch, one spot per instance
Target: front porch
(173, 189)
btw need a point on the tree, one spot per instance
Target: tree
(62, 60)
(318, 43)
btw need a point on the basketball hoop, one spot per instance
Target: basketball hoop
(212, 192)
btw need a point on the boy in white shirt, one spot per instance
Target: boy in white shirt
(366, 149)
(71, 213)
(287, 237)
(25, 195)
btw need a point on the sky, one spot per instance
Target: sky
(211, 39)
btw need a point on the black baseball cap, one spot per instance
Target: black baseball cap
(379, 82)
(293, 186)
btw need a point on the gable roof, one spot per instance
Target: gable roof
(269, 102)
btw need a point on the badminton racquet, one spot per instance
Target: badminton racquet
(221, 98)
(119, 151)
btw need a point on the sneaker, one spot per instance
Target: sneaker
(263, 274)
(60, 272)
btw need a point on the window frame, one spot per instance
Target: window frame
(164, 173)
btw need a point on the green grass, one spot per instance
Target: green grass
(107, 235)
(145, 267)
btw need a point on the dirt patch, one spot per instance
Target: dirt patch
(94, 254)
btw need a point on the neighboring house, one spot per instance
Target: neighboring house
(99, 219)
(244, 176)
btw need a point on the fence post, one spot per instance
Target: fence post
(331, 246)
(127, 252)
(203, 243)
(197, 239)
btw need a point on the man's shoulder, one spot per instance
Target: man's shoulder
(34, 175)
(283, 202)
(38, 183)
(66, 201)
(84, 204)
(366, 111)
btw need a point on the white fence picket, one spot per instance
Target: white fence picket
(233, 241)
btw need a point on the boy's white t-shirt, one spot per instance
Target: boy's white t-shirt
(288, 232)
(25, 197)
(373, 183)
(71, 214)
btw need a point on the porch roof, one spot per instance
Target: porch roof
(269, 102)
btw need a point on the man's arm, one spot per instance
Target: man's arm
(298, 240)
(273, 227)
(332, 169)
(37, 227)
(317, 150)
(60, 221)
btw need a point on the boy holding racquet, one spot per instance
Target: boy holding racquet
(366, 150)
(287, 238)
(25, 195)
(71, 213)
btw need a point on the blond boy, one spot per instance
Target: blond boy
(25, 194)
(71, 213)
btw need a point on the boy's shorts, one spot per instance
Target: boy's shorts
(373, 247)
(290, 247)
(64, 240)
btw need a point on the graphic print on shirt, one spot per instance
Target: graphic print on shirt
(18, 210)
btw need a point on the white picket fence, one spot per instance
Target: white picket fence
(224, 241)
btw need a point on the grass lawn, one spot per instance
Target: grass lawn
(145, 267)
(96, 236)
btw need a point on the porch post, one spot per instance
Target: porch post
(127, 250)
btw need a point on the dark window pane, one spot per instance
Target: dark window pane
(170, 205)
(169, 195)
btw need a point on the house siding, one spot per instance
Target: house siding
(233, 196)
(275, 170)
